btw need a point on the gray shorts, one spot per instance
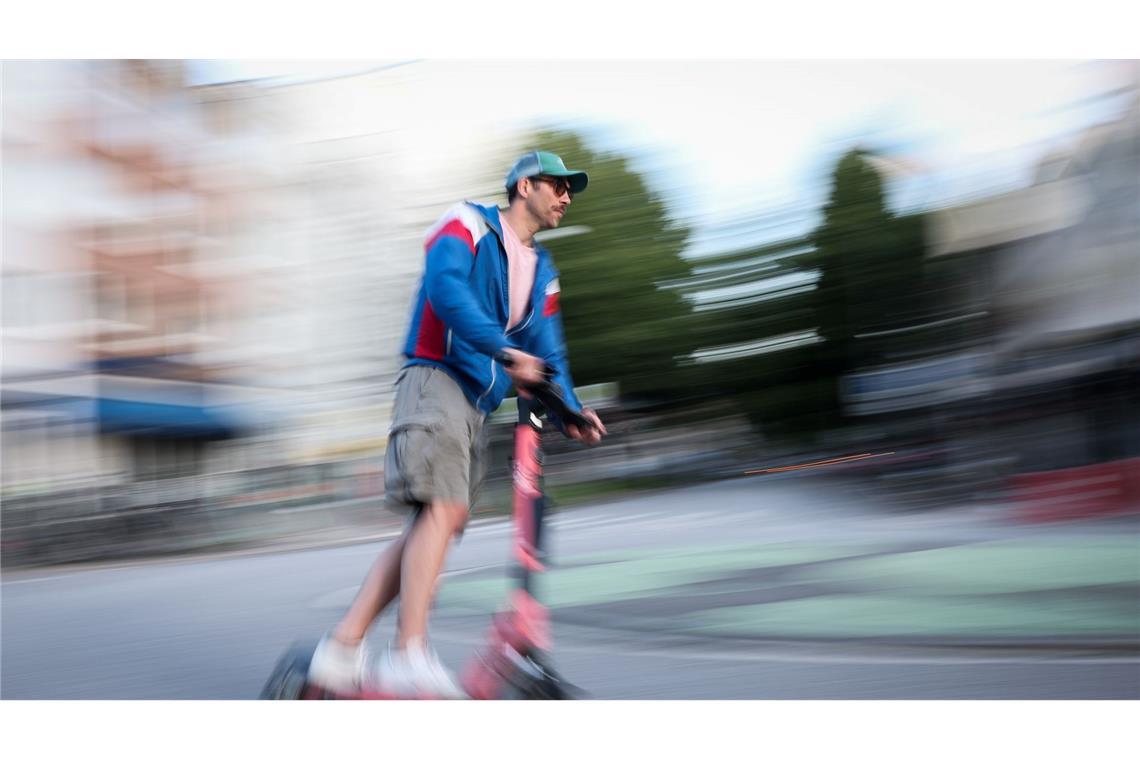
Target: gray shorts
(437, 445)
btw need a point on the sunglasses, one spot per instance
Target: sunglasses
(560, 185)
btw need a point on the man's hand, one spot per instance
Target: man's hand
(590, 436)
(525, 369)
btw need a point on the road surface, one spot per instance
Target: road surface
(763, 588)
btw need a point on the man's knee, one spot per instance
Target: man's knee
(451, 514)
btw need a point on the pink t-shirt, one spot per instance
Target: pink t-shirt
(522, 262)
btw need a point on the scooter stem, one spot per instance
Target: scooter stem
(529, 499)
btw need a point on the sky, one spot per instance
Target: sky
(722, 139)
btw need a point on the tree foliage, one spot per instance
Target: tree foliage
(860, 272)
(870, 263)
(619, 324)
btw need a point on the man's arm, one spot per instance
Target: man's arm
(447, 280)
(548, 342)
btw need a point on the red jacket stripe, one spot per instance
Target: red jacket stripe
(429, 341)
(454, 228)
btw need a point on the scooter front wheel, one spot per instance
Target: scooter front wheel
(535, 679)
(538, 690)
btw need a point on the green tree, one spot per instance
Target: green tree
(620, 325)
(871, 267)
(769, 297)
(866, 269)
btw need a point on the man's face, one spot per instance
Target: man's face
(548, 199)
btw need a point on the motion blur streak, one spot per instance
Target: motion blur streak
(905, 291)
(820, 463)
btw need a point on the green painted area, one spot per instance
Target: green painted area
(633, 575)
(906, 616)
(657, 576)
(485, 595)
(758, 555)
(995, 568)
(951, 591)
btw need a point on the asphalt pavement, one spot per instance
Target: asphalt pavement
(764, 588)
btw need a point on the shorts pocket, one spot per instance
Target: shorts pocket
(407, 466)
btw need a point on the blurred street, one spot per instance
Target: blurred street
(790, 586)
(864, 336)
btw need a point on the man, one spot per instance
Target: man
(487, 287)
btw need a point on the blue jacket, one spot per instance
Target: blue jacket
(460, 311)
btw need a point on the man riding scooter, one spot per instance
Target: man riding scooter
(488, 290)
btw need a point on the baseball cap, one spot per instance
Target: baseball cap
(541, 162)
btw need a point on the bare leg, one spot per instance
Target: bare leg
(423, 560)
(380, 587)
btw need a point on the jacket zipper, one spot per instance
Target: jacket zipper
(507, 296)
(522, 324)
(489, 387)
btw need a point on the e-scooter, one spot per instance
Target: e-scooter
(514, 662)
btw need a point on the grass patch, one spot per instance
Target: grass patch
(576, 493)
(497, 497)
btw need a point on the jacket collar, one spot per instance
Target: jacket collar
(490, 215)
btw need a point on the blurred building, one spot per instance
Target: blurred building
(206, 287)
(1042, 373)
(370, 187)
(146, 320)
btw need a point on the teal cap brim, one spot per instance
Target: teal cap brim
(577, 180)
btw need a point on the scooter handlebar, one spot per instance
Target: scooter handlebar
(549, 394)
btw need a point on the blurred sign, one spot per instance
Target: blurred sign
(916, 384)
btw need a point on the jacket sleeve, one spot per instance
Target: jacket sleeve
(447, 281)
(547, 341)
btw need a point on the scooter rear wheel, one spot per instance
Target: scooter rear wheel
(290, 677)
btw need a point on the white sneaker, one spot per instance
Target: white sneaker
(417, 672)
(337, 666)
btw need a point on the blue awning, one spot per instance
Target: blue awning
(172, 420)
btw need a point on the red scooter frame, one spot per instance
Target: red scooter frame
(513, 664)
